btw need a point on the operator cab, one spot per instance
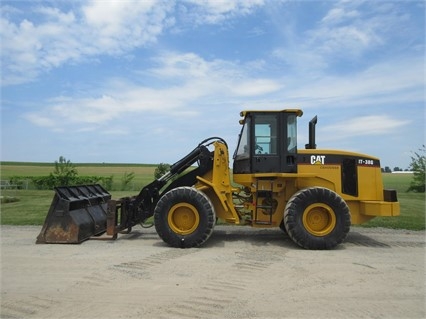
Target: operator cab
(267, 142)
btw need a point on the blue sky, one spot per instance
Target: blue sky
(146, 81)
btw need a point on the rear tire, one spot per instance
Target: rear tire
(317, 218)
(184, 217)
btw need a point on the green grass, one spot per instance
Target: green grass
(31, 209)
(412, 214)
(412, 205)
(400, 182)
(33, 205)
(144, 173)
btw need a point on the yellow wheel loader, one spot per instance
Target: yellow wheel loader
(313, 195)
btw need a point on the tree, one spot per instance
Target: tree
(126, 180)
(64, 172)
(417, 165)
(388, 170)
(161, 169)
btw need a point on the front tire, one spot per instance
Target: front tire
(184, 217)
(317, 218)
(282, 227)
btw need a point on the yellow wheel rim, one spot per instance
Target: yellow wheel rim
(319, 219)
(183, 218)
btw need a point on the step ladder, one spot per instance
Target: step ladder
(265, 196)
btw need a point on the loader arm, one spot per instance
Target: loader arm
(130, 211)
(144, 203)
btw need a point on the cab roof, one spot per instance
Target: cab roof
(297, 111)
(243, 114)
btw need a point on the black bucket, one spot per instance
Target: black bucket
(76, 214)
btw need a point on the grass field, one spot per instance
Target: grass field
(32, 205)
(412, 205)
(144, 173)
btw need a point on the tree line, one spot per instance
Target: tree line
(387, 169)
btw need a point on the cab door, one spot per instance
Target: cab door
(265, 156)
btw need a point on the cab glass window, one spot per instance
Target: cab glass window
(291, 134)
(265, 132)
(243, 149)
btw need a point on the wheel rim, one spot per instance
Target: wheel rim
(183, 218)
(319, 219)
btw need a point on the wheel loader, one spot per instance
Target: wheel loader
(313, 195)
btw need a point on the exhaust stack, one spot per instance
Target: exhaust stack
(311, 144)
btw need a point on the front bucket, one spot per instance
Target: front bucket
(76, 214)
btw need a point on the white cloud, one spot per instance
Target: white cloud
(391, 81)
(188, 83)
(216, 11)
(49, 37)
(256, 87)
(116, 26)
(353, 39)
(40, 120)
(349, 33)
(364, 126)
(339, 14)
(186, 65)
(112, 16)
(115, 131)
(54, 37)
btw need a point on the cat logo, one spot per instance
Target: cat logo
(317, 159)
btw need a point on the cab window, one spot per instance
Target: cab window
(265, 132)
(291, 134)
(243, 149)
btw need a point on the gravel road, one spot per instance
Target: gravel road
(239, 273)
